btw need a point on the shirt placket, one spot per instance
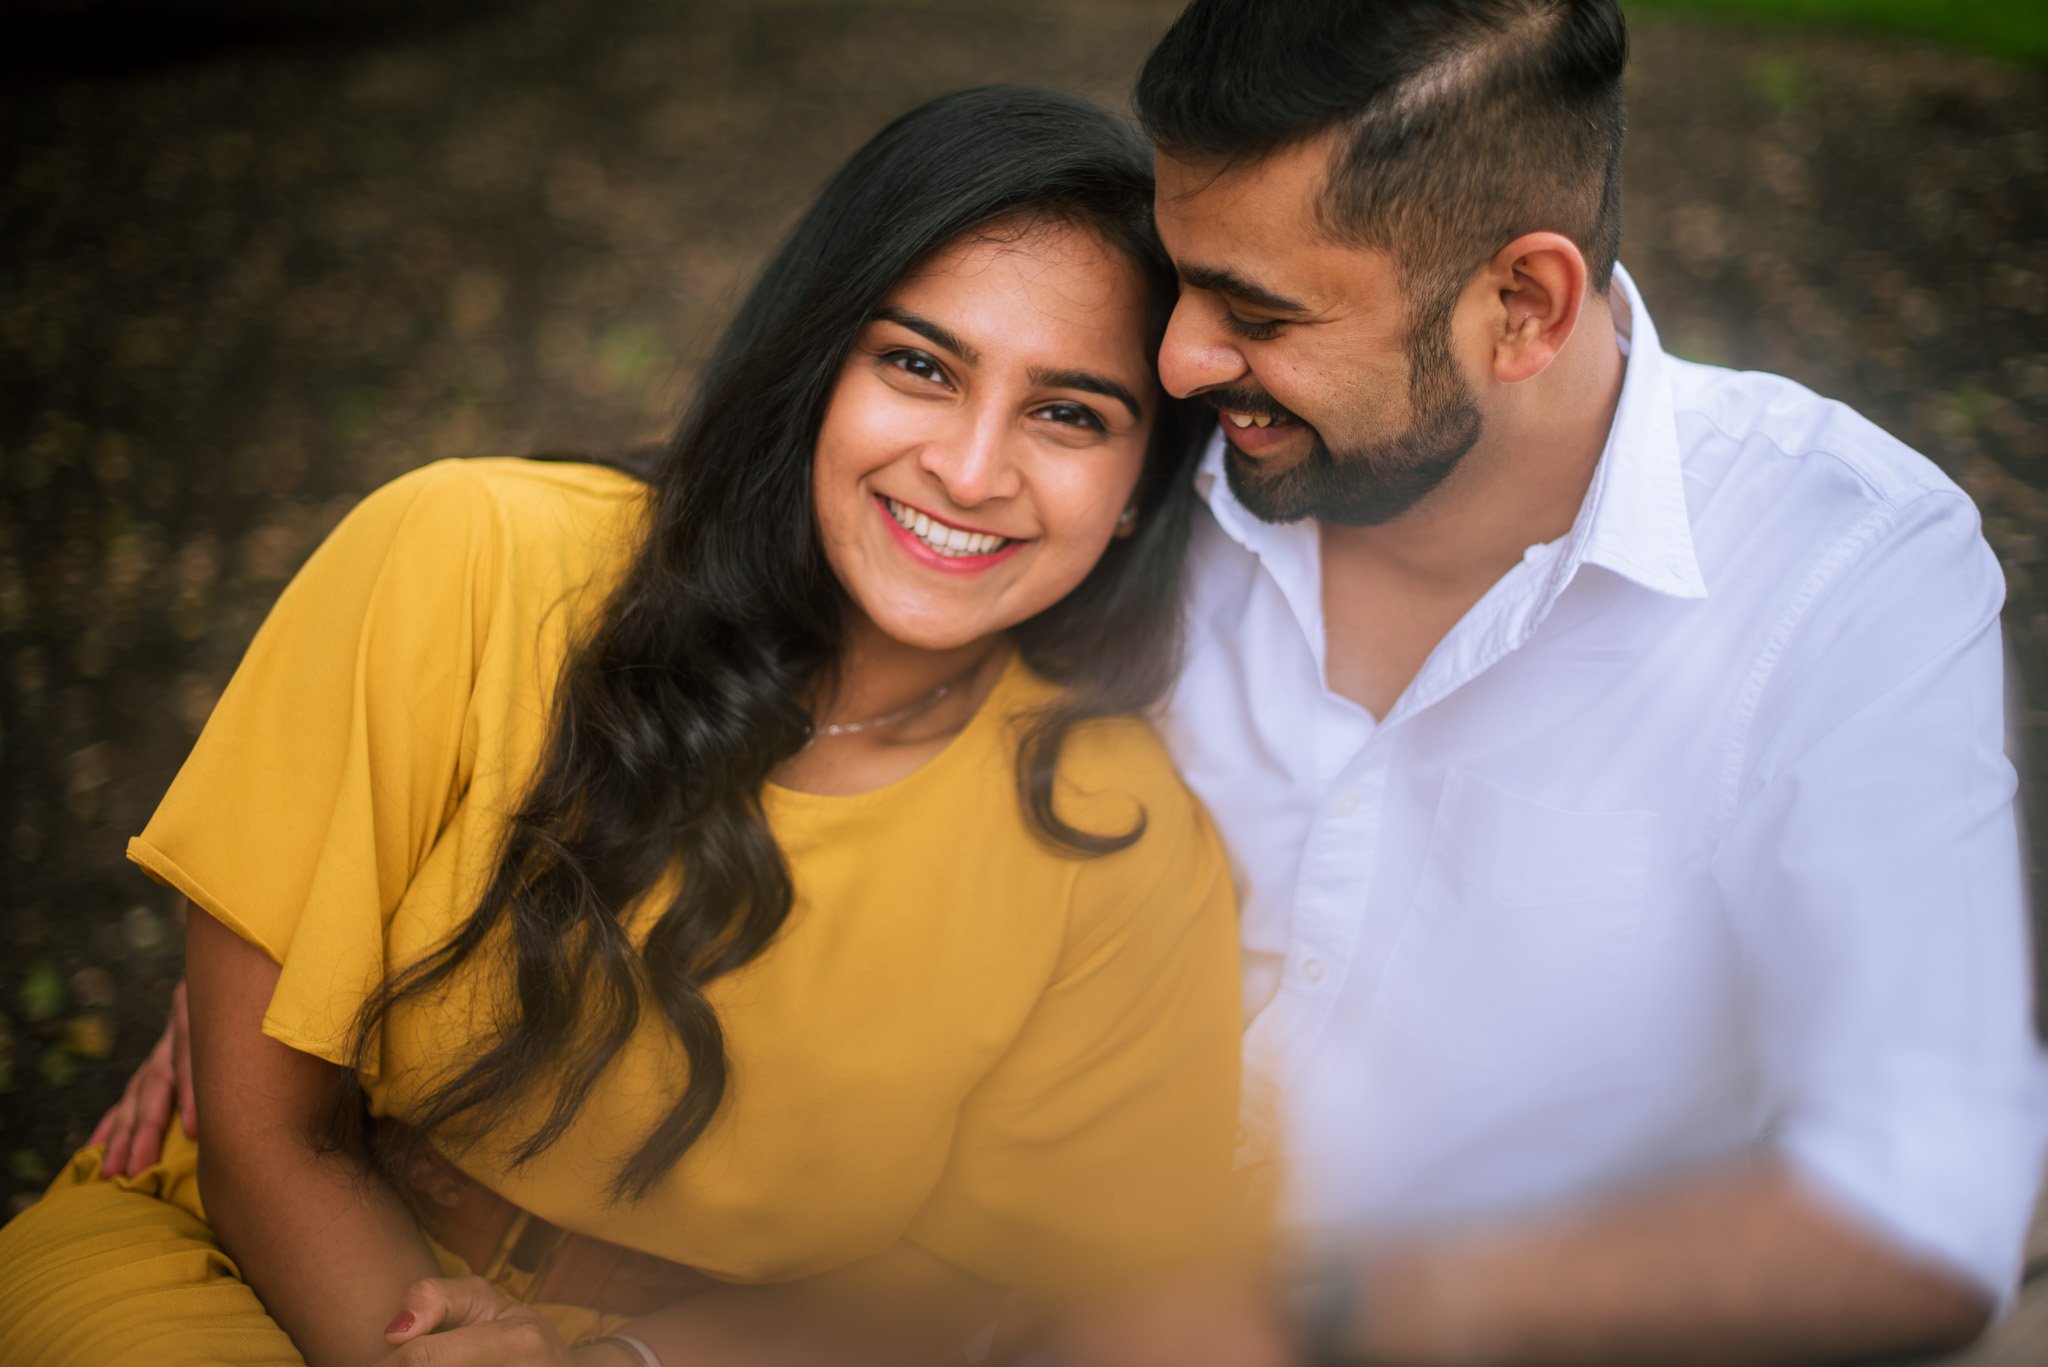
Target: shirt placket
(1333, 923)
(1339, 863)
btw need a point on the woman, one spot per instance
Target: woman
(748, 880)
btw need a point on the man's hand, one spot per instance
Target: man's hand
(1734, 1268)
(1216, 1321)
(133, 1130)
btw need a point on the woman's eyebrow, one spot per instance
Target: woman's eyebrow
(1085, 380)
(1092, 383)
(931, 332)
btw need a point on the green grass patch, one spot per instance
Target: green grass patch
(2016, 29)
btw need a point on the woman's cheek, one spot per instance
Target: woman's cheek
(1088, 509)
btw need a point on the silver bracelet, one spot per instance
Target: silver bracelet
(638, 1347)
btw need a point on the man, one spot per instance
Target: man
(1610, 747)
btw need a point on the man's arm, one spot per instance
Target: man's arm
(1741, 1267)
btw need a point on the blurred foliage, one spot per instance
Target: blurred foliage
(2016, 29)
(42, 993)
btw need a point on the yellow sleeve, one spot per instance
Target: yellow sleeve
(336, 752)
(1099, 1146)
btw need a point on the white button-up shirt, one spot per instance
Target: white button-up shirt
(1694, 838)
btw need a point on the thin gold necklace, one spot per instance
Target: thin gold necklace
(904, 713)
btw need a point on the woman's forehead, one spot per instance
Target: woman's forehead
(1047, 283)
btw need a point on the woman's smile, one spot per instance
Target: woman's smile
(985, 433)
(943, 545)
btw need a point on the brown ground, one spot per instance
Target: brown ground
(250, 271)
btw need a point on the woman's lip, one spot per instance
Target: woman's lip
(956, 526)
(925, 555)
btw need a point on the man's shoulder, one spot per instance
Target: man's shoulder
(1751, 425)
(1824, 539)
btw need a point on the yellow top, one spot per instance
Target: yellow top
(1016, 1059)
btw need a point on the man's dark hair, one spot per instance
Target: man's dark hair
(1462, 124)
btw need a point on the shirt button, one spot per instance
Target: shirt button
(1345, 805)
(1312, 969)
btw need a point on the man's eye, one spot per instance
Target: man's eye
(1251, 331)
(1073, 415)
(916, 363)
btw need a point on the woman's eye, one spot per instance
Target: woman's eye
(1251, 331)
(918, 364)
(1073, 415)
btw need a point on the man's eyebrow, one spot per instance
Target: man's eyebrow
(931, 332)
(1091, 383)
(1217, 280)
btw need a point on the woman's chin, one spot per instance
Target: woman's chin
(936, 636)
(936, 623)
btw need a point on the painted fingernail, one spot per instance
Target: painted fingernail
(400, 1322)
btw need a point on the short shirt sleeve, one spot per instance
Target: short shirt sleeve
(1100, 1145)
(336, 752)
(1873, 879)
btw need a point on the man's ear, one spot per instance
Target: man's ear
(1539, 282)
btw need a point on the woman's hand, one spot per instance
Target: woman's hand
(460, 1321)
(133, 1131)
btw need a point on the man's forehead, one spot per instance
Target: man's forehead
(1254, 229)
(1290, 179)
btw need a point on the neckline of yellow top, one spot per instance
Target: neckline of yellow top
(991, 712)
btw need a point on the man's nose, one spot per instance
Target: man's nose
(1195, 355)
(976, 460)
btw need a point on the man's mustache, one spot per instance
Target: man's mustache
(1252, 401)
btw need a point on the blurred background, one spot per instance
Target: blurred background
(262, 255)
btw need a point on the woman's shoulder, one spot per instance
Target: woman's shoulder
(1115, 775)
(1105, 754)
(511, 522)
(505, 497)
(541, 482)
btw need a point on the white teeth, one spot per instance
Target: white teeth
(1263, 421)
(1238, 419)
(937, 536)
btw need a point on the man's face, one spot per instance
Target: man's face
(1340, 399)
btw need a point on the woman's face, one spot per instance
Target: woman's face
(985, 433)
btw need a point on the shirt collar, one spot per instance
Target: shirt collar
(1633, 520)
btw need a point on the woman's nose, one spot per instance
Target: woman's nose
(1195, 354)
(976, 461)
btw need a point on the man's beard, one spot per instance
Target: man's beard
(1372, 484)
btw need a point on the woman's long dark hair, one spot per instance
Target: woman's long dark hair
(695, 681)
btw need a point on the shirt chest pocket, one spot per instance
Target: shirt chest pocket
(1524, 929)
